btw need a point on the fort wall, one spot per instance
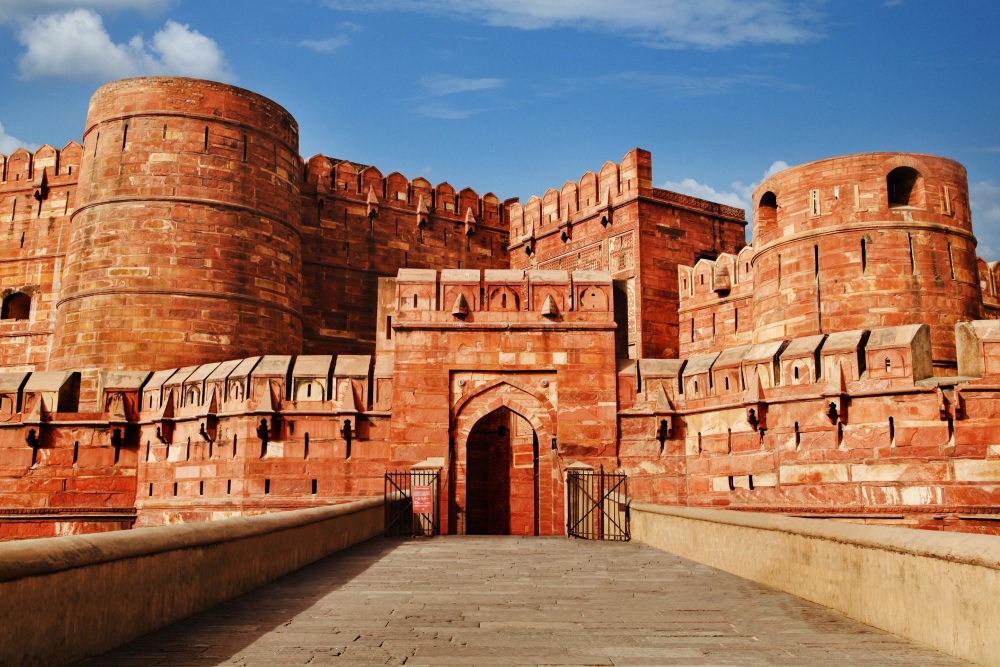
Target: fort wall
(189, 314)
(37, 196)
(359, 225)
(617, 221)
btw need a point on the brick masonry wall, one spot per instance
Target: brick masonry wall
(836, 254)
(359, 225)
(37, 196)
(203, 180)
(616, 221)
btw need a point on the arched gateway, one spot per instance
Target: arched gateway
(501, 400)
(502, 481)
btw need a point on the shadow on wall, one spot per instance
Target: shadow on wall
(230, 627)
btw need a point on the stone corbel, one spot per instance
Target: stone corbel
(835, 396)
(421, 213)
(607, 213)
(756, 405)
(566, 226)
(42, 192)
(372, 203)
(164, 419)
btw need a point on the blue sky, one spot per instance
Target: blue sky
(515, 96)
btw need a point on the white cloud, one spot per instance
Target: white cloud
(681, 85)
(707, 24)
(689, 186)
(9, 144)
(443, 111)
(75, 45)
(443, 84)
(22, 9)
(739, 194)
(984, 200)
(776, 166)
(328, 45)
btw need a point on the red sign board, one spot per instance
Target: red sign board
(423, 499)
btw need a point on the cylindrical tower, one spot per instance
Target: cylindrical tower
(865, 241)
(185, 245)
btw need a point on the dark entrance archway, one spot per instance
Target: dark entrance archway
(501, 482)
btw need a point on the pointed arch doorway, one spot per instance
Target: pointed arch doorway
(504, 475)
(501, 477)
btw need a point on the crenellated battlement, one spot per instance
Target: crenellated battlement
(576, 201)
(22, 168)
(356, 182)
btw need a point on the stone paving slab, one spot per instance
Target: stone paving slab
(516, 601)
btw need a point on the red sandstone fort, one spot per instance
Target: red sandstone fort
(197, 323)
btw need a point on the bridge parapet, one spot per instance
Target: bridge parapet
(66, 598)
(866, 572)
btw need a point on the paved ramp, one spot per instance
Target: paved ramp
(517, 601)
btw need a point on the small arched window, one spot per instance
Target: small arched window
(767, 210)
(904, 187)
(17, 306)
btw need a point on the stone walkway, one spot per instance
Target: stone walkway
(516, 601)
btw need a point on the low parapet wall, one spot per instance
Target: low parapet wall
(939, 589)
(66, 598)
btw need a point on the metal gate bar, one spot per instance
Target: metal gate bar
(400, 519)
(597, 505)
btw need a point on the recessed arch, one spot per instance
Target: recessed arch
(478, 406)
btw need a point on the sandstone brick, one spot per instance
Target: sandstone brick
(813, 474)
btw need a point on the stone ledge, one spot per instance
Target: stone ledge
(966, 548)
(54, 554)
(940, 589)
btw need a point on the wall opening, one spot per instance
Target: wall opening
(502, 476)
(904, 187)
(913, 261)
(767, 211)
(16, 306)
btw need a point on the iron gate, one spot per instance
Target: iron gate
(597, 505)
(411, 503)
